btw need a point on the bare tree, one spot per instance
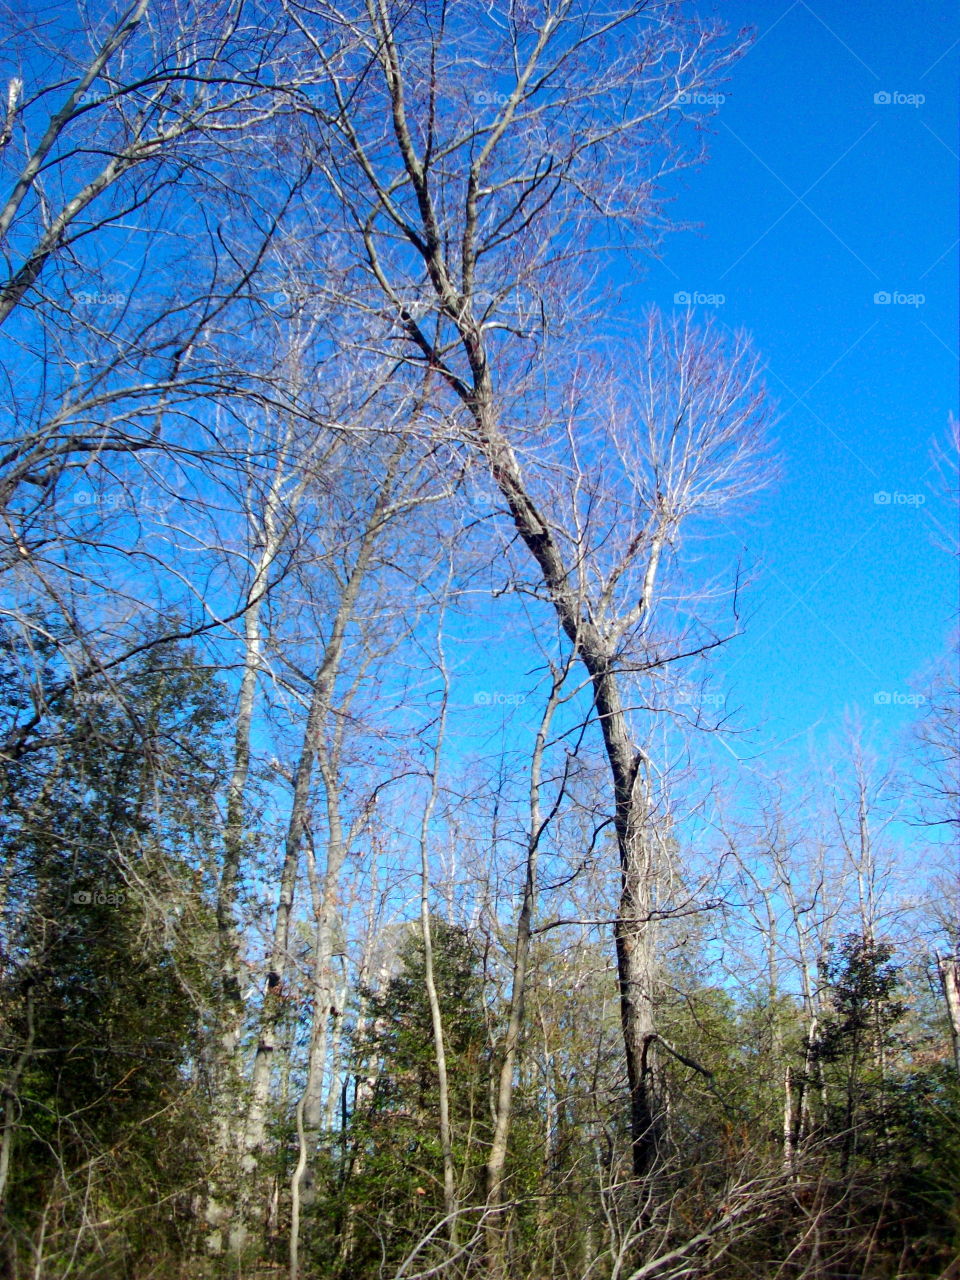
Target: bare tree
(271, 508)
(378, 644)
(516, 1006)
(463, 212)
(791, 902)
(321, 685)
(133, 142)
(157, 97)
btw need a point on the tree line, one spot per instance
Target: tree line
(378, 897)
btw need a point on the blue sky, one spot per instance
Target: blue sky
(815, 198)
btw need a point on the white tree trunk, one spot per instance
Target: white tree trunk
(948, 968)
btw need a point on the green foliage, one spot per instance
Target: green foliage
(862, 984)
(858, 1045)
(108, 937)
(386, 1168)
(108, 949)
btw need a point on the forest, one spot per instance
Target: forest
(381, 897)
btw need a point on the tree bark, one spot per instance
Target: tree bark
(319, 706)
(948, 968)
(230, 1013)
(268, 532)
(633, 930)
(433, 998)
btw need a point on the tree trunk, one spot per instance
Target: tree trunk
(633, 929)
(948, 968)
(788, 1122)
(230, 1013)
(11, 1107)
(433, 999)
(319, 705)
(310, 1106)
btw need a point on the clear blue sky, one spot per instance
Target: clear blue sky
(815, 198)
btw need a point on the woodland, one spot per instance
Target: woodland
(377, 899)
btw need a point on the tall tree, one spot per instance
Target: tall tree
(463, 211)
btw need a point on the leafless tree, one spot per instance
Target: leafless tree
(130, 139)
(462, 213)
(516, 1006)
